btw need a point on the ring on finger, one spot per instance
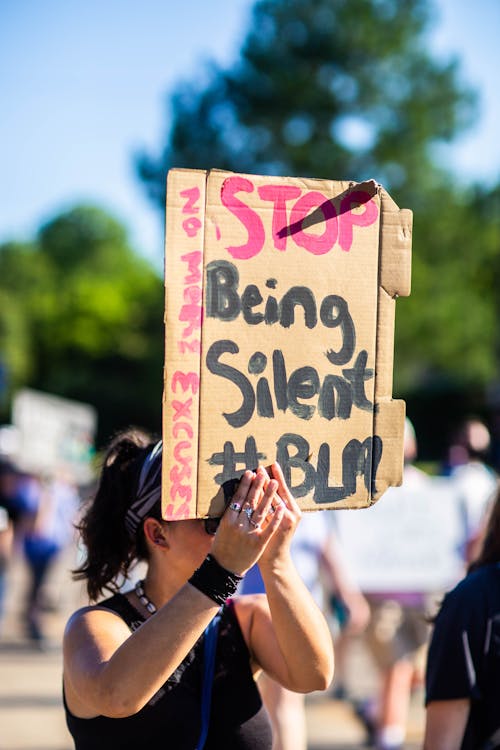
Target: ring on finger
(248, 511)
(254, 524)
(235, 506)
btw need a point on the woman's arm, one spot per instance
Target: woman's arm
(445, 724)
(288, 635)
(110, 671)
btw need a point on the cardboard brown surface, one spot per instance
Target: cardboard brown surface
(279, 318)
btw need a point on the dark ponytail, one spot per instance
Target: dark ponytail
(109, 549)
(490, 548)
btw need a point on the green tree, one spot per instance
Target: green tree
(82, 318)
(350, 90)
(322, 88)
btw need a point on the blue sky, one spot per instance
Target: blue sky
(83, 85)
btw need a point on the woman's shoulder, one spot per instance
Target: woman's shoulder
(246, 604)
(108, 613)
(479, 585)
(245, 608)
(479, 579)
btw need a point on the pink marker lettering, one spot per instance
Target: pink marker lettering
(191, 226)
(192, 294)
(193, 346)
(250, 219)
(189, 380)
(314, 243)
(194, 261)
(182, 409)
(181, 513)
(178, 475)
(184, 427)
(191, 314)
(348, 219)
(183, 490)
(183, 445)
(279, 195)
(191, 195)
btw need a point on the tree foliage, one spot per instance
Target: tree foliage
(323, 89)
(348, 89)
(82, 318)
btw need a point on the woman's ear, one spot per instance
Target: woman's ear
(154, 532)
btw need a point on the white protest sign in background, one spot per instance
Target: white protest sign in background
(413, 541)
(55, 435)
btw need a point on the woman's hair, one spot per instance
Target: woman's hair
(109, 547)
(490, 548)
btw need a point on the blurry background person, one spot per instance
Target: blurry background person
(475, 479)
(348, 611)
(463, 667)
(51, 509)
(6, 536)
(397, 632)
(11, 509)
(316, 557)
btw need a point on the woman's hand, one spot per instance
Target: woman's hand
(279, 543)
(249, 523)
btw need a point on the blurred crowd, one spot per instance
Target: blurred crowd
(391, 615)
(364, 569)
(37, 523)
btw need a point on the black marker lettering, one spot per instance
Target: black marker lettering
(298, 460)
(242, 415)
(298, 295)
(222, 300)
(303, 383)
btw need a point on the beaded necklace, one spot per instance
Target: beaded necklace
(141, 595)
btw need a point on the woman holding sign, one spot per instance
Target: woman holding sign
(174, 659)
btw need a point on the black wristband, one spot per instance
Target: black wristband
(215, 581)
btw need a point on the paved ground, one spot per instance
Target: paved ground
(31, 716)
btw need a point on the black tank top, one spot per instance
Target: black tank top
(171, 719)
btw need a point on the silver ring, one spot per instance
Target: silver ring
(248, 511)
(235, 506)
(254, 524)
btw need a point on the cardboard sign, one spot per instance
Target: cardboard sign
(56, 435)
(280, 303)
(413, 541)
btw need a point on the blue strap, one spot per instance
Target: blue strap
(210, 647)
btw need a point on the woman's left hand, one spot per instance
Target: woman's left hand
(252, 518)
(280, 541)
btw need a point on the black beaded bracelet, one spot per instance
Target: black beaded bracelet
(215, 581)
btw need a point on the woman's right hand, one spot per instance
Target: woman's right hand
(249, 522)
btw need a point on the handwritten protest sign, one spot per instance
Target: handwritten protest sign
(280, 303)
